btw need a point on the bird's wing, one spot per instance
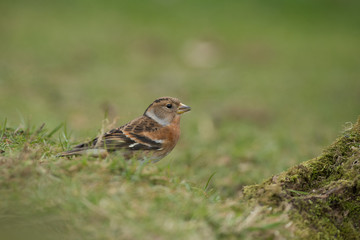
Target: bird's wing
(128, 137)
(122, 139)
(132, 136)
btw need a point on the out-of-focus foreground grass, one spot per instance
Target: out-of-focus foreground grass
(270, 84)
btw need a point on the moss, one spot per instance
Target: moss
(324, 192)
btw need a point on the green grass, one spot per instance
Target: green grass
(270, 84)
(47, 197)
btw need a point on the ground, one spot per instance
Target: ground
(82, 198)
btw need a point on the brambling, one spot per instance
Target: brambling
(151, 136)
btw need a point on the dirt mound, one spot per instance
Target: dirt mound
(323, 193)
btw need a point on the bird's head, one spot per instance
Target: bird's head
(163, 110)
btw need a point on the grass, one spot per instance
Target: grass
(270, 85)
(47, 197)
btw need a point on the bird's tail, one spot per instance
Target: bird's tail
(77, 150)
(94, 152)
(73, 152)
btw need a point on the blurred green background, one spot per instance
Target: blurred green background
(270, 82)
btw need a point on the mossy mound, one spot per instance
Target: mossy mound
(323, 193)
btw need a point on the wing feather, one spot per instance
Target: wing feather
(127, 137)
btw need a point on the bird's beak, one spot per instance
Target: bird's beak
(183, 108)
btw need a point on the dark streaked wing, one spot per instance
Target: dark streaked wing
(122, 139)
(127, 137)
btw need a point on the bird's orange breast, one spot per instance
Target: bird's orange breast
(168, 135)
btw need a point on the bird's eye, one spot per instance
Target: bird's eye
(169, 105)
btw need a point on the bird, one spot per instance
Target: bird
(150, 137)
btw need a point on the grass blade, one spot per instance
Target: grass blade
(298, 192)
(208, 181)
(55, 130)
(3, 128)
